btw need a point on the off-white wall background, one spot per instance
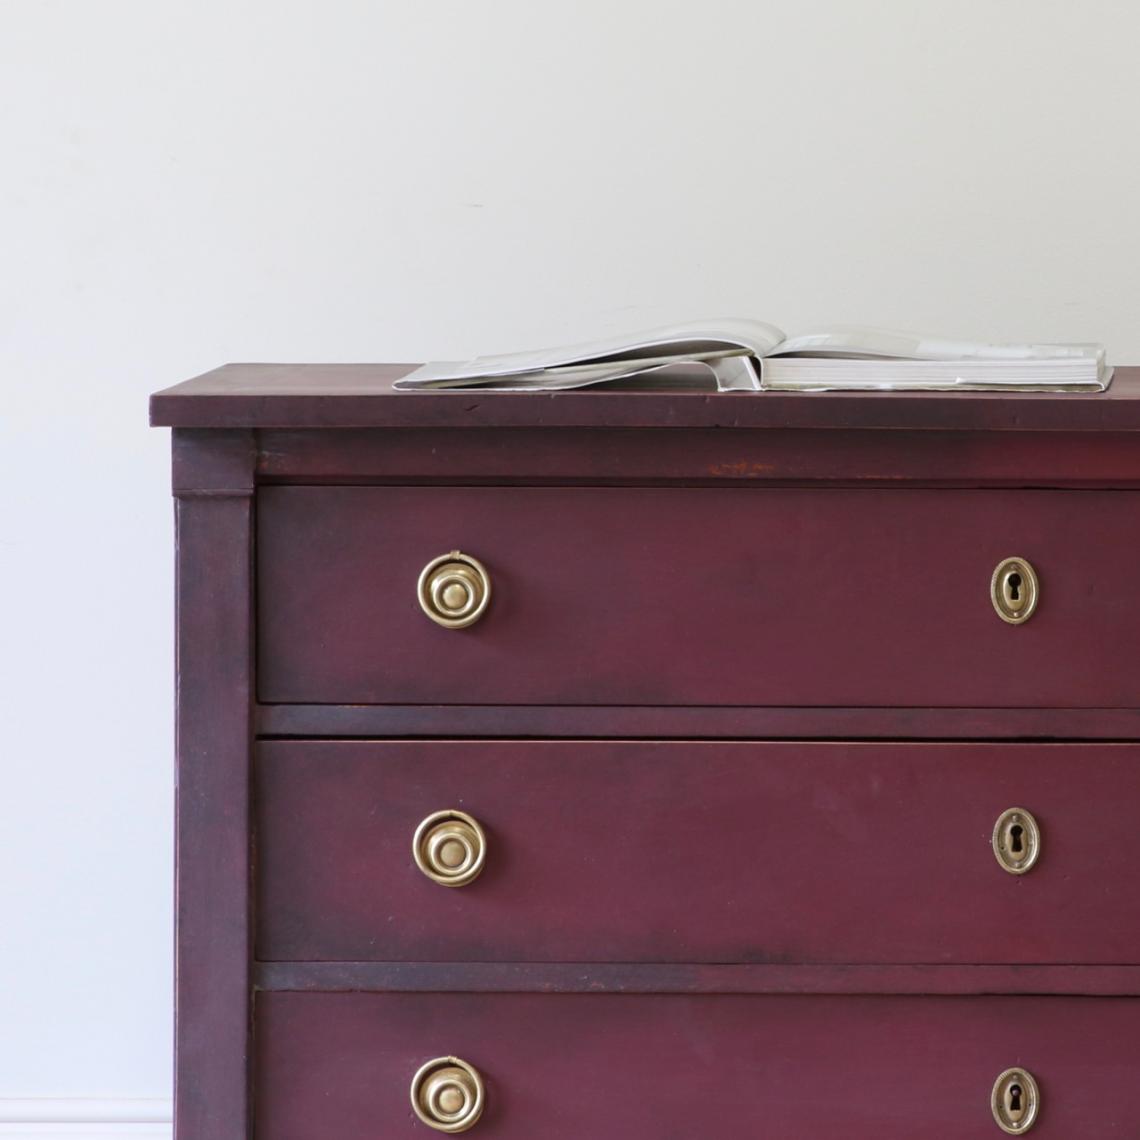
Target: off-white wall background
(190, 183)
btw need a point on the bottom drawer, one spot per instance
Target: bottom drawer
(675, 1067)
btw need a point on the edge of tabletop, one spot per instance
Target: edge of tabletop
(284, 396)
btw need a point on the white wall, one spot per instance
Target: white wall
(195, 182)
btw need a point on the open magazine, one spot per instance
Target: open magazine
(746, 355)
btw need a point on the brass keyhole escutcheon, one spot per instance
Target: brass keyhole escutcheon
(1016, 840)
(454, 590)
(1015, 1101)
(448, 1095)
(1014, 590)
(450, 848)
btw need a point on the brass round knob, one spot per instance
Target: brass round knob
(450, 848)
(454, 590)
(447, 1094)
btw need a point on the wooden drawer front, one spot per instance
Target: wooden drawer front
(699, 852)
(672, 1067)
(699, 596)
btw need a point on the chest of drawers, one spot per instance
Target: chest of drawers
(654, 764)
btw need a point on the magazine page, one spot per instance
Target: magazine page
(868, 373)
(857, 340)
(731, 371)
(688, 340)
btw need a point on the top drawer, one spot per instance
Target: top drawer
(693, 596)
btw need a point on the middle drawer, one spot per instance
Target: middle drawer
(697, 851)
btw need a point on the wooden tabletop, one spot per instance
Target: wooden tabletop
(362, 396)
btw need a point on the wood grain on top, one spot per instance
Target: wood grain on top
(361, 395)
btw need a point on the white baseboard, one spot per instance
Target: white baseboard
(42, 1117)
(77, 1131)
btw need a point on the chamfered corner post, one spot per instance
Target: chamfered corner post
(213, 484)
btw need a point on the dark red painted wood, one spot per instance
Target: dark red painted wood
(213, 464)
(638, 721)
(214, 645)
(671, 1067)
(657, 977)
(722, 455)
(671, 620)
(653, 596)
(361, 395)
(699, 852)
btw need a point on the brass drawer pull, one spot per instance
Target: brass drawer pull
(450, 848)
(1015, 1101)
(454, 590)
(447, 1094)
(1016, 840)
(1014, 589)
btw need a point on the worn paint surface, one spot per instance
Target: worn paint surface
(674, 851)
(699, 596)
(674, 1067)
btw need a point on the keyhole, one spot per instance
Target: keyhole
(1015, 834)
(1015, 1101)
(1014, 590)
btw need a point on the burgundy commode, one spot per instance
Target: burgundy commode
(633, 765)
